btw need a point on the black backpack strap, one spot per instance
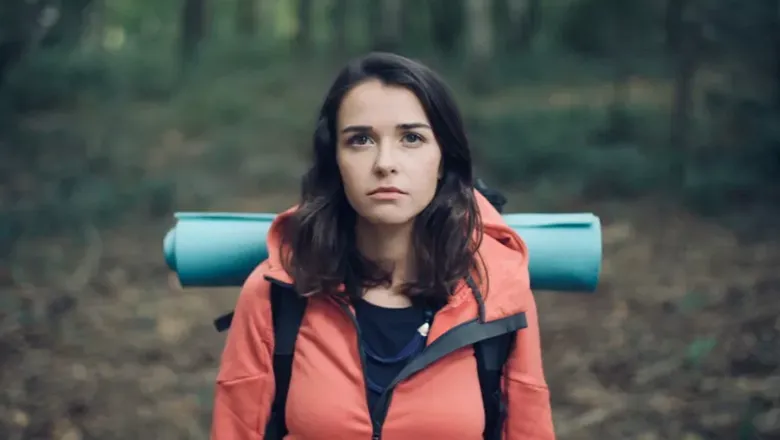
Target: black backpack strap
(287, 308)
(223, 322)
(494, 196)
(492, 355)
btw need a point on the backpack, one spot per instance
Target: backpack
(287, 314)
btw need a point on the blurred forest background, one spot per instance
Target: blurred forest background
(662, 117)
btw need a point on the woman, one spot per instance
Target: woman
(406, 269)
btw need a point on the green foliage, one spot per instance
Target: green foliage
(610, 28)
(60, 78)
(49, 78)
(249, 103)
(141, 17)
(562, 146)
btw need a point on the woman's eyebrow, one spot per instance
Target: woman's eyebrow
(412, 126)
(368, 128)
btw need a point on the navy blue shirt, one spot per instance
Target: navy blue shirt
(391, 334)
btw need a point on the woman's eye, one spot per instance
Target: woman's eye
(412, 138)
(359, 139)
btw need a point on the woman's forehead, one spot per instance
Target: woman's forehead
(377, 105)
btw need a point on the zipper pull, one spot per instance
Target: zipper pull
(426, 326)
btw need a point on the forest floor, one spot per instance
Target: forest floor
(679, 342)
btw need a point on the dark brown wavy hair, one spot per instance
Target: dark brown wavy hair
(318, 240)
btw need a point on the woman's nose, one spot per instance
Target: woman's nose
(385, 162)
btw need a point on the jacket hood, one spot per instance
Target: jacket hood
(503, 254)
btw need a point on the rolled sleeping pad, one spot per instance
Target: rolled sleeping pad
(222, 249)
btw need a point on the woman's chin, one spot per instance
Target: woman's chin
(388, 217)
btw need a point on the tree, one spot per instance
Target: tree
(742, 43)
(447, 24)
(388, 31)
(518, 21)
(303, 36)
(620, 33)
(338, 17)
(673, 23)
(686, 46)
(246, 17)
(18, 27)
(480, 42)
(71, 23)
(193, 29)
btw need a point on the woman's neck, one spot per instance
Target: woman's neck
(389, 246)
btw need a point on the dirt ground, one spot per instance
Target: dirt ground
(681, 341)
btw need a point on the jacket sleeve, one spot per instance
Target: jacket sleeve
(245, 382)
(529, 415)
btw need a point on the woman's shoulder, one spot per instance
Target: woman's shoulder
(506, 278)
(498, 257)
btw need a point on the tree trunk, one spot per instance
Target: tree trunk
(97, 25)
(415, 25)
(246, 17)
(388, 37)
(193, 29)
(11, 52)
(447, 23)
(673, 23)
(303, 37)
(522, 23)
(682, 102)
(339, 14)
(619, 124)
(480, 42)
(71, 24)
(19, 27)
(776, 54)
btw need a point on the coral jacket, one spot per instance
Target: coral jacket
(327, 395)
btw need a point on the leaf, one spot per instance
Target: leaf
(699, 349)
(692, 302)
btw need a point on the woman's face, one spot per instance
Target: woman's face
(387, 154)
